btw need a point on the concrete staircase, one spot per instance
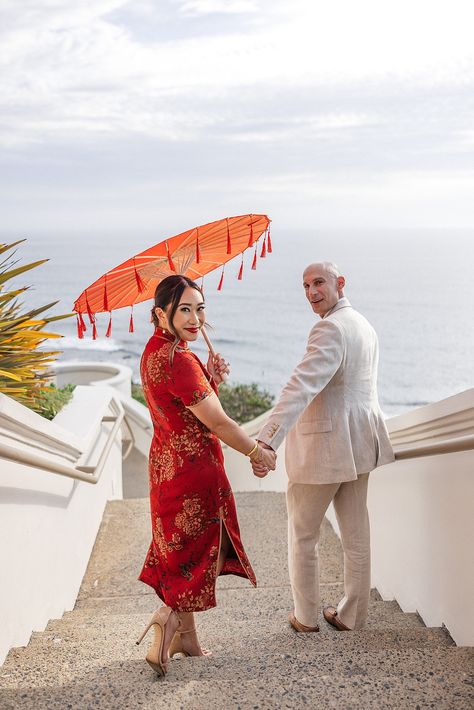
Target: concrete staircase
(88, 659)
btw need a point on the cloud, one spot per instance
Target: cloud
(163, 101)
(207, 7)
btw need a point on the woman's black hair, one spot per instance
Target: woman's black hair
(168, 293)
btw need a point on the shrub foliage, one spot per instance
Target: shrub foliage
(244, 402)
(241, 402)
(52, 399)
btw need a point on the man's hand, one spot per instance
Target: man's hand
(266, 461)
(218, 368)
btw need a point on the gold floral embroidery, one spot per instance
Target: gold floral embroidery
(157, 365)
(199, 395)
(188, 601)
(160, 541)
(164, 464)
(192, 519)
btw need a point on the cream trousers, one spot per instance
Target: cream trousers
(307, 505)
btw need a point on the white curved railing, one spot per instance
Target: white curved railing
(87, 474)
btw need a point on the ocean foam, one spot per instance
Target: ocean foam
(70, 342)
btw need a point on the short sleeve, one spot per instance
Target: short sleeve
(188, 379)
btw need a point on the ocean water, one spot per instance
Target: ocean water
(414, 286)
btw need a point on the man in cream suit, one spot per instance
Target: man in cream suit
(335, 435)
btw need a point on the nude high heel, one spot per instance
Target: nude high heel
(176, 645)
(154, 657)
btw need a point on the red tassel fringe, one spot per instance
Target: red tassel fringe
(94, 330)
(229, 245)
(263, 253)
(81, 323)
(269, 240)
(170, 260)
(221, 281)
(241, 270)
(89, 312)
(80, 331)
(130, 326)
(251, 235)
(109, 328)
(106, 300)
(140, 284)
(254, 262)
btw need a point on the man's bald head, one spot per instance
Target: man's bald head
(323, 285)
(329, 267)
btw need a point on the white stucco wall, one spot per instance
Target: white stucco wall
(48, 523)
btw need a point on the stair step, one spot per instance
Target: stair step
(265, 608)
(89, 658)
(147, 602)
(56, 656)
(274, 683)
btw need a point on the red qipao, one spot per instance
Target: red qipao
(190, 494)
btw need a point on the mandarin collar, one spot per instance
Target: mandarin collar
(166, 335)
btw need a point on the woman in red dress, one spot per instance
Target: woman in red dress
(195, 532)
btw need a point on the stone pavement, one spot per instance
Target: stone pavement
(88, 659)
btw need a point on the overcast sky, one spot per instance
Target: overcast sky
(163, 114)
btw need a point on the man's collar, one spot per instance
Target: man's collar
(342, 303)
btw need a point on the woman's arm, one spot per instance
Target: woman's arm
(209, 411)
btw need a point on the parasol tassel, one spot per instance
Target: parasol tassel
(80, 332)
(130, 325)
(94, 330)
(170, 260)
(140, 284)
(269, 240)
(106, 300)
(229, 245)
(254, 262)
(81, 322)
(109, 327)
(89, 312)
(251, 234)
(263, 253)
(221, 280)
(241, 270)
(198, 253)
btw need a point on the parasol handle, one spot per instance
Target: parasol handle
(211, 349)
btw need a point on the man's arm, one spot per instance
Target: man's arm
(321, 361)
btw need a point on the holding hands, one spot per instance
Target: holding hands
(263, 460)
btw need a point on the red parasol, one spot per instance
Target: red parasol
(193, 253)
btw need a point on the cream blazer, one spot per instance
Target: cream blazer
(329, 409)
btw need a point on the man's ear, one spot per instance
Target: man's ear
(341, 282)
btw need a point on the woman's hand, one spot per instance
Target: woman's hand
(218, 368)
(263, 461)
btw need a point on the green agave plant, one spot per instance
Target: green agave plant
(24, 368)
